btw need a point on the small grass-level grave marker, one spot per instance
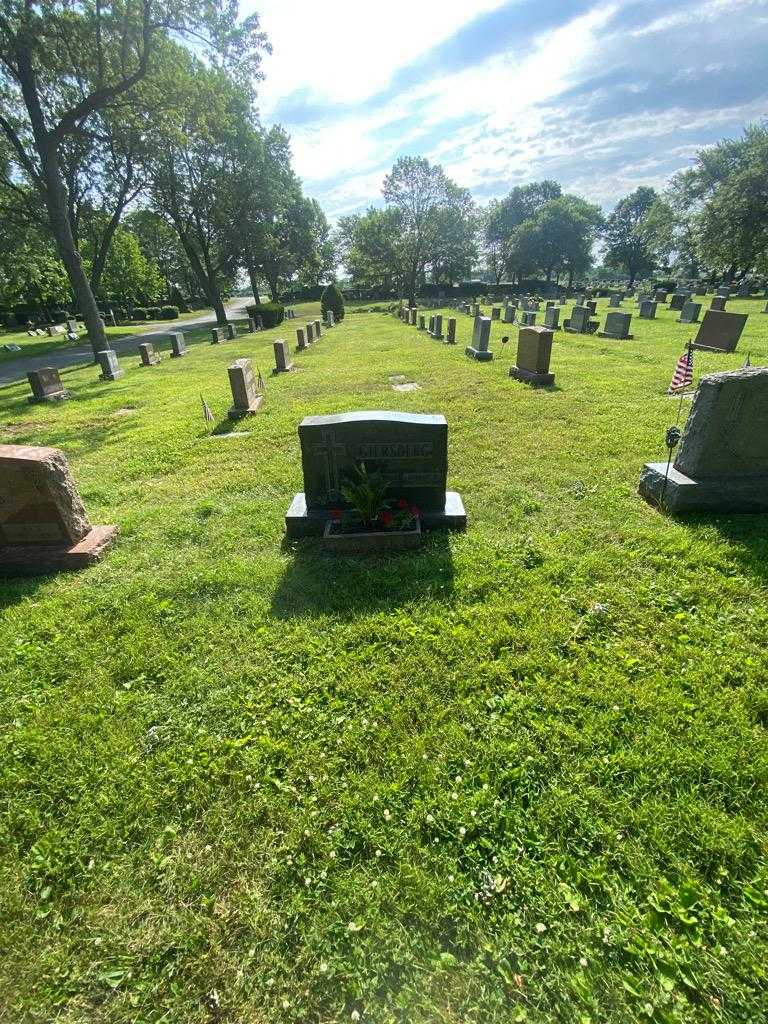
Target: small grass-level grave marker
(43, 523)
(46, 385)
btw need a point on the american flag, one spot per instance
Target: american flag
(207, 414)
(683, 375)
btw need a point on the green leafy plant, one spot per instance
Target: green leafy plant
(332, 299)
(365, 492)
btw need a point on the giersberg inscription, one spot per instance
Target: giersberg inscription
(391, 450)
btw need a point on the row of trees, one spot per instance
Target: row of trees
(134, 166)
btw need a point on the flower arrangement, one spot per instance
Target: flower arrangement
(372, 509)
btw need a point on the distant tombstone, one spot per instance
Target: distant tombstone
(148, 355)
(412, 316)
(591, 305)
(719, 331)
(51, 331)
(251, 325)
(259, 322)
(721, 464)
(678, 300)
(475, 309)
(647, 309)
(614, 301)
(617, 326)
(218, 334)
(660, 295)
(301, 341)
(432, 325)
(495, 312)
(246, 399)
(509, 314)
(71, 326)
(409, 450)
(534, 349)
(481, 336)
(528, 318)
(422, 322)
(178, 345)
(549, 304)
(718, 303)
(451, 336)
(744, 290)
(43, 524)
(110, 368)
(231, 331)
(437, 331)
(766, 308)
(329, 318)
(310, 329)
(318, 330)
(723, 292)
(282, 359)
(46, 385)
(580, 321)
(689, 314)
(552, 318)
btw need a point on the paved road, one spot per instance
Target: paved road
(16, 369)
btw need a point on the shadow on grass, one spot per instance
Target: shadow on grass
(746, 534)
(317, 583)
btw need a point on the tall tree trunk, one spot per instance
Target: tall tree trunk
(205, 279)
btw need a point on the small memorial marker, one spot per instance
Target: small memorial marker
(231, 331)
(246, 400)
(110, 368)
(218, 335)
(437, 327)
(529, 318)
(720, 331)
(43, 524)
(647, 309)
(617, 326)
(495, 312)
(46, 385)
(422, 322)
(251, 325)
(580, 321)
(148, 355)
(509, 314)
(534, 350)
(689, 314)
(71, 326)
(660, 295)
(318, 329)
(282, 358)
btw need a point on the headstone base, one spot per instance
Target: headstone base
(58, 396)
(594, 324)
(34, 559)
(479, 354)
(154, 360)
(616, 337)
(538, 380)
(112, 376)
(301, 523)
(282, 369)
(715, 494)
(238, 414)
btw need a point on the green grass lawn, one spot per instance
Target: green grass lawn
(519, 775)
(39, 345)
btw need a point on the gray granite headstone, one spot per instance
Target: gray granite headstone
(301, 341)
(647, 309)
(509, 314)
(412, 316)
(409, 450)
(720, 331)
(282, 357)
(71, 326)
(246, 399)
(318, 330)
(534, 350)
(744, 290)
(46, 385)
(148, 355)
(437, 327)
(422, 322)
(329, 318)
(722, 461)
(251, 325)
(580, 321)
(689, 314)
(218, 334)
(529, 318)
(495, 312)
(231, 332)
(718, 303)
(178, 345)
(552, 318)
(617, 326)
(310, 329)
(481, 336)
(110, 368)
(678, 300)
(660, 295)
(451, 336)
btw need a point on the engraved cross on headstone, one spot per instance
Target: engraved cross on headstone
(330, 449)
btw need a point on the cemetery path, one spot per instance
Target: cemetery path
(16, 369)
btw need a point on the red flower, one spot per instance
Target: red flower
(415, 511)
(402, 503)
(336, 515)
(387, 518)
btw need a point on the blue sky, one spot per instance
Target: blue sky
(603, 97)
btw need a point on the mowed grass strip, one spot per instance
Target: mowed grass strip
(516, 776)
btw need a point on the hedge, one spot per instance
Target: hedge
(272, 313)
(332, 299)
(169, 313)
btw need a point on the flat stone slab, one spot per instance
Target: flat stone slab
(540, 380)
(299, 522)
(616, 337)
(409, 385)
(36, 559)
(232, 433)
(481, 355)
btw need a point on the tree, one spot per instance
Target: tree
(418, 190)
(62, 64)
(332, 299)
(500, 220)
(559, 237)
(369, 245)
(628, 242)
(160, 243)
(129, 277)
(452, 248)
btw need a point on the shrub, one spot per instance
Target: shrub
(58, 316)
(153, 313)
(139, 313)
(332, 299)
(271, 313)
(169, 313)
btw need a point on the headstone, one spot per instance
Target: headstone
(329, 318)
(647, 309)
(580, 321)
(218, 334)
(422, 322)
(110, 368)
(617, 326)
(432, 325)
(43, 524)
(660, 295)
(301, 341)
(689, 314)
(552, 318)
(412, 316)
(451, 336)
(528, 318)
(614, 301)
(246, 399)
(509, 314)
(148, 355)
(282, 359)
(251, 325)
(178, 345)
(495, 312)
(721, 464)
(720, 331)
(744, 290)
(409, 450)
(481, 336)
(718, 303)
(591, 305)
(71, 326)
(475, 309)
(310, 329)
(723, 292)
(318, 330)
(259, 322)
(46, 385)
(231, 332)
(437, 332)
(534, 349)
